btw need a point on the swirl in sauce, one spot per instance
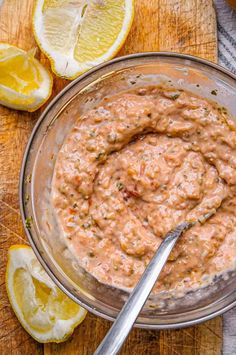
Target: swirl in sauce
(132, 169)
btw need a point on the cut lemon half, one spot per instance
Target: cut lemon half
(45, 312)
(24, 82)
(77, 35)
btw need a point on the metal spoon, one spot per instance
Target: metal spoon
(120, 329)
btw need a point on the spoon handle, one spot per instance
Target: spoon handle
(117, 334)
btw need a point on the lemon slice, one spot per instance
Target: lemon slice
(24, 83)
(77, 35)
(45, 312)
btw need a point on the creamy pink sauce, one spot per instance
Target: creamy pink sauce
(132, 169)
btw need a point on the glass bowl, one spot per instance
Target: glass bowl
(191, 73)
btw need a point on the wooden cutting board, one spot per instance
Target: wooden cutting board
(187, 26)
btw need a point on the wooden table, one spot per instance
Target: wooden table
(186, 26)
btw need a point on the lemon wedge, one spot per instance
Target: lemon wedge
(45, 312)
(24, 82)
(77, 35)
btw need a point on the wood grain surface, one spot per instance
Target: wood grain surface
(186, 26)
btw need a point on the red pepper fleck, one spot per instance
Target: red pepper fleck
(142, 168)
(71, 210)
(130, 193)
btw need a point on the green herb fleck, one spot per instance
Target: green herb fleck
(83, 10)
(92, 134)
(207, 111)
(26, 199)
(163, 187)
(222, 110)
(29, 178)
(100, 156)
(120, 185)
(152, 306)
(28, 222)
(174, 97)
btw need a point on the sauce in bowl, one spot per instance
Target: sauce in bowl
(133, 168)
